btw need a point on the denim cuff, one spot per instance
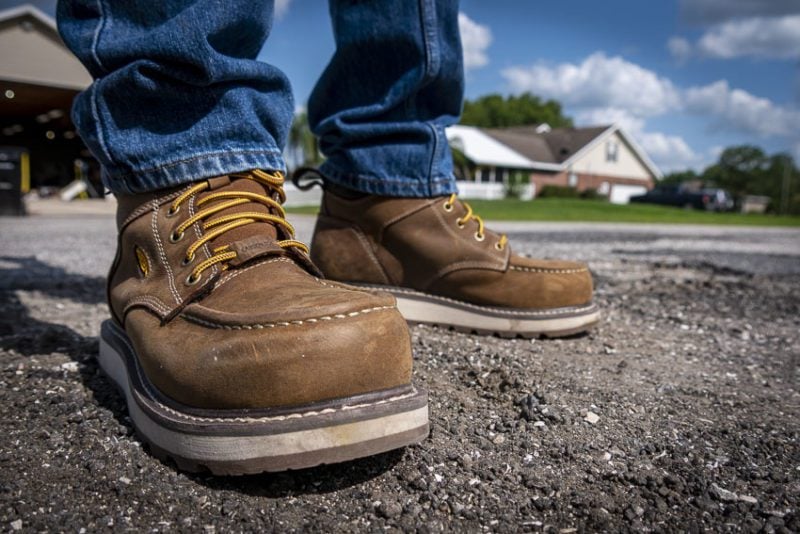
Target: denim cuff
(191, 169)
(389, 186)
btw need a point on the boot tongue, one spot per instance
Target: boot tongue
(261, 230)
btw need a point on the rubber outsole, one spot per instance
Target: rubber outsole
(239, 442)
(423, 308)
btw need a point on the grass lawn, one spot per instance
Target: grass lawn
(568, 209)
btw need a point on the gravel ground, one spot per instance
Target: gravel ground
(679, 413)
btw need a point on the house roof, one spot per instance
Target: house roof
(34, 53)
(28, 11)
(528, 143)
(543, 148)
(483, 149)
(554, 146)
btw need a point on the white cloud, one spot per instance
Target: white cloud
(670, 152)
(760, 37)
(716, 151)
(281, 8)
(599, 81)
(739, 110)
(605, 89)
(679, 48)
(475, 40)
(603, 116)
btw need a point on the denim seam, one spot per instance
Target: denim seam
(431, 67)
(176, 163)
(435, 150)
(96, 37)
(101, 139)
(432, 59)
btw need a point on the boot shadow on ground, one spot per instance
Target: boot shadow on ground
(29, 336)
(314, 480)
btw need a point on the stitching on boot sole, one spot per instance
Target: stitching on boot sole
(557, 311)
(259, 326)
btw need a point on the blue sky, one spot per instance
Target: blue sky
(685, 77)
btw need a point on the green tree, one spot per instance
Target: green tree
(740, 170)
(748, 170)
(302, 148)
(680, 177)
(496, 111)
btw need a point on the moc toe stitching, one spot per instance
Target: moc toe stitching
(274, 324)
(545, 270)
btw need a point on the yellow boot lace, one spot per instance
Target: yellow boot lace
(216, 227)
(462, 222)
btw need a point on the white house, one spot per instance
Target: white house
(604, 158)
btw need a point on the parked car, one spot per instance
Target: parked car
(709, 199)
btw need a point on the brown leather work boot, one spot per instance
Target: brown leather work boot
(234, 356)
(445, 268)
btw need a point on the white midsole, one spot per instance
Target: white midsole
(426, 311)
(211, 448)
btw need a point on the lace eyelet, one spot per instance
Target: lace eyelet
(174, 237)
(192, 279)
(187, 260)
(498, 246)
(460, 225)
(479, 237)
(447, 207)
(173, 212)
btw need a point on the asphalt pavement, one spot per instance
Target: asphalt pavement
(681, 411)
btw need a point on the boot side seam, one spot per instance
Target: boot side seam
(197, 230)
(401, 216)
(371, 253)
(148, 300)
(148, 206)
(162, 256)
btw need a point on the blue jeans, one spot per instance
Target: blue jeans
(179, 96)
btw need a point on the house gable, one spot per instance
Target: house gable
(595, 158)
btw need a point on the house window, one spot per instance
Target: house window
(612, 151)
(572, 179)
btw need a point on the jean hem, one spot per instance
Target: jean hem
(401, 186)
(191, 169)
